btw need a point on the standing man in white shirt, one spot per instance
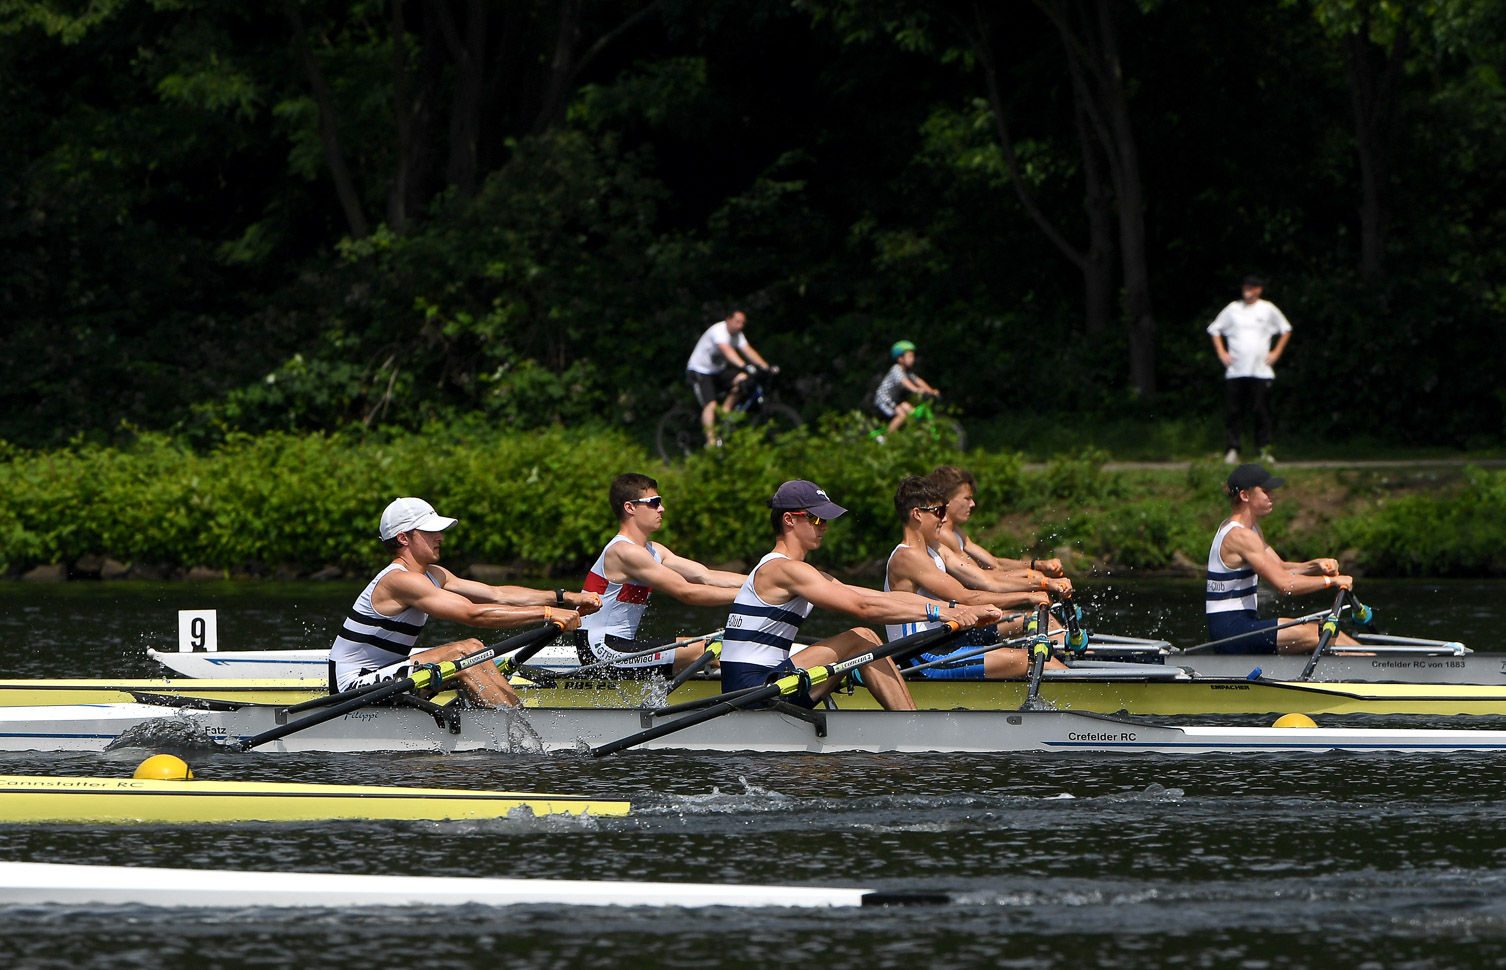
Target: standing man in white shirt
(1242, 339)
(722, 344)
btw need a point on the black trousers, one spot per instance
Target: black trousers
(1247, 395)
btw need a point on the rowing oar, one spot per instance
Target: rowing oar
(1077, 637)
(1256, 633)
(424, 676)
(1362, 615)
(783, 686)
(1040, 652)
(712, 652)
(670, 644)
(962, 656)
(1329, 628)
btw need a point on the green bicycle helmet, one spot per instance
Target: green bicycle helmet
(900, 347)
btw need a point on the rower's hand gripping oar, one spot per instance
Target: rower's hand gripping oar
(783, 686)
(423, 677)
(1329, 628)
(1040, 652)
(712, 652)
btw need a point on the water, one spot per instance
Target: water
(1251, 861)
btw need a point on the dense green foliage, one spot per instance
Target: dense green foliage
(227, 217)
(258, 505)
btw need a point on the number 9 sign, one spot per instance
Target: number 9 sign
(197, 631)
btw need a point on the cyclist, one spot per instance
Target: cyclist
(707, 372)
(900, 378)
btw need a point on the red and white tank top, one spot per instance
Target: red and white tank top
(622, 604)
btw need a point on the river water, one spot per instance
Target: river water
(1055, 862)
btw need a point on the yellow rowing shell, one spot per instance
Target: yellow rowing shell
(24, 798)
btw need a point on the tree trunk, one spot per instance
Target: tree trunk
(329, 137)
(1374, 91)
(468, 51)
(1096, 263)
(1088, 33)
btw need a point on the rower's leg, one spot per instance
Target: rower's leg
(687, 655)
(881, 677)
(482, 683)
(1304, 638)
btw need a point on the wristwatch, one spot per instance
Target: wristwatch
(559, 597)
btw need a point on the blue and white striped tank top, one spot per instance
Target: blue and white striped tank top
(1228, 591)
(369, 640)
(760, 633)
(893, 631)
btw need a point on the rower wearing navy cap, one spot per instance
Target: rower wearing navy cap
(783, 588)
(376, 641)
(1240, 557)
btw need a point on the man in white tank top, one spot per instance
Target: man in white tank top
(630, 568)
(1239, 556)
(920, 565)
(395, 606)
(783, 588)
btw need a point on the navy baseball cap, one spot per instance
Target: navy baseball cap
(801, 495)
(1252, 476)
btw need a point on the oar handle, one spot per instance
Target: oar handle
(1329, 627)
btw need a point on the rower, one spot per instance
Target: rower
(919, 565)
(782, 590)
(977, 569)
(1240, 557)
(628, 570)
(376, 641)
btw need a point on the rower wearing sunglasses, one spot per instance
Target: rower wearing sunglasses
(974, 567)
(919, 564)
(782, 590)
(628, 570)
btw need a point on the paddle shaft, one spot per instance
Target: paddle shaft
(787, 684)
(418, 680)
(1255, 633)
(1330, 627)
(962, 656)
(1040, 650)
(712, 652)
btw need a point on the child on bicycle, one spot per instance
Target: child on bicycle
(900, 379)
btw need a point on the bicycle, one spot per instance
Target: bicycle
(940, 427)
(680, 432)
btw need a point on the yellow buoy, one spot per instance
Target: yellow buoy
(1294, 720)
(164, 767)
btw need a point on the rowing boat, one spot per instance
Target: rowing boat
(548, 730)
(34, 799)
(1137, 689)
(30, 693)
(31, 884)
(1379, 660)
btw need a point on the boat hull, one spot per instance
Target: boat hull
(550, 730)
(32, 799)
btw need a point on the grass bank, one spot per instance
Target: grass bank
(288, 506)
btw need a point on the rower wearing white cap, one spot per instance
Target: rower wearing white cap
(1239, 558)
(782, 590)
(376, 642)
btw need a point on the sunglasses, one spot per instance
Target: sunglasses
(653, 501)
(816, 520)
(937, 510)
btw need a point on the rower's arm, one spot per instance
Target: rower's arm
(984, 558)
(698, 572)
(1009, 589)
(640, 566)
(481, 593)
(916, 569)
(402, 590)
(1252, 551)
(803, 579)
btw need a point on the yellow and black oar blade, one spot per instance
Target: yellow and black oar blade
(786, 684)
(418, 680)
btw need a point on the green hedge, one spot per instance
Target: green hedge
(275, 501)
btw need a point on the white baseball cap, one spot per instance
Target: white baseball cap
(406, 514)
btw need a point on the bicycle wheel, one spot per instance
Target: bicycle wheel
(775, 419)
(679, 433)
(950, 433)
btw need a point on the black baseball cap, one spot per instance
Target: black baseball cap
(1252, 476)
(801, 495)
